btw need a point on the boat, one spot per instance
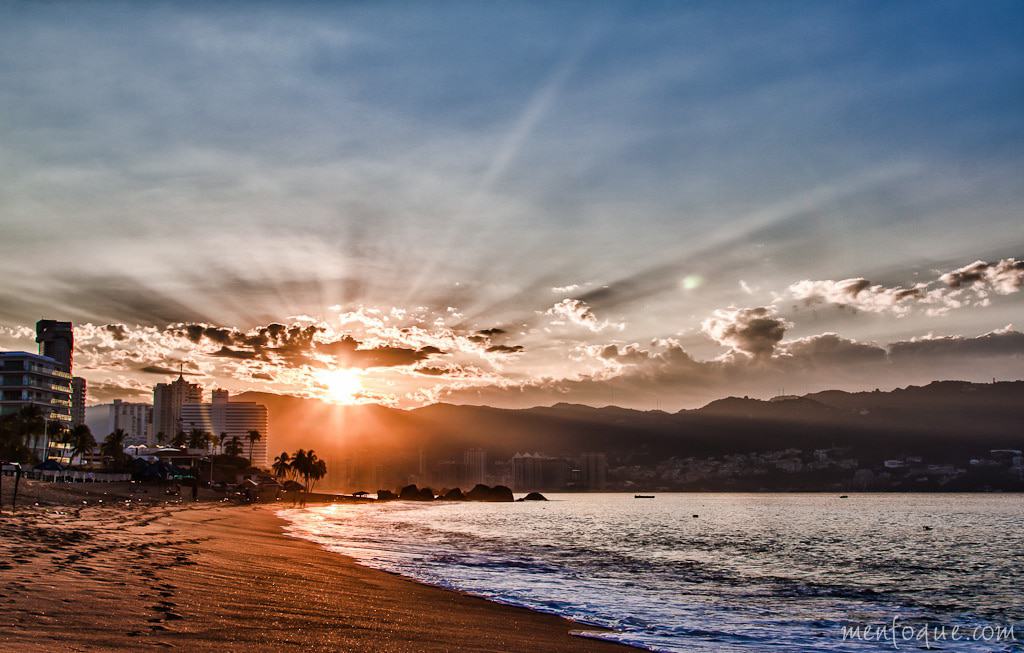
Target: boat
(643, 496)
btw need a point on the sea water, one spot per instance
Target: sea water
(718, 572)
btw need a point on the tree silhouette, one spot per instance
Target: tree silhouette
(234, 447)
(179, 440)
(254, 436)
(197, 439)
(82, 442)
(113, 448)
(282, 466)
(308, 466)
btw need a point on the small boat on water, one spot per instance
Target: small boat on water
(643, 496)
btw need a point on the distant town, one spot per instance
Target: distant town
(185, 427)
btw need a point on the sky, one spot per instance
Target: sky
(644, 204)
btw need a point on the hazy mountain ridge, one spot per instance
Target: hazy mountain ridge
(940, 419)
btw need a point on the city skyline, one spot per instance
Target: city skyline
(645, 206)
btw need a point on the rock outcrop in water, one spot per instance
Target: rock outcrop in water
(413, 493)
(498, 493)
(454, 494)
(534, 496)
(386, 495)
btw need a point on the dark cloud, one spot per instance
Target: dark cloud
(505, 349)
(832, 349)
(1003, 342)
(1005, 276)
(296, 345)
(263, 376)
(752, 331)
(436, 371)
(105, 392)
(118, 331)
(240, 354)
(490, 333)
(159, 369)
(348, 352)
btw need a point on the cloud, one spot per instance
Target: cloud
(240, 354)
(1004, 277)
(578, 312)
(966, 286)
(1003, 342)
(117, 331)
(751, 331)
(348, 351)
(494, 331)
(831, 349)
(505, 349)
(858, 293)
(106, 391)
(664, 374)
(160, 369)
(566, 290)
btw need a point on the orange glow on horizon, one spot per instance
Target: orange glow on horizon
(343, 386)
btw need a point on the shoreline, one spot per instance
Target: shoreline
(214, 577)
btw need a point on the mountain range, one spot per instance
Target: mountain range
(943, 420)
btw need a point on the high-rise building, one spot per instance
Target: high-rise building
(474, 466)
(57, 341)
(168, 398)
(135, 419)
(535, 471)
(33, 380)
(236, 418)
(594, 468)
(78, 398)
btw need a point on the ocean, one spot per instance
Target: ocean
(718, 572)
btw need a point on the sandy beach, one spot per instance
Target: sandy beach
(143, 571)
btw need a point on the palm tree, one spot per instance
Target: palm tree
(29, 422)
(160, 437)
(254, 436)
(179, 440)
(113, 447)
(221, 439)
(82, 442)
(197, 439)
(309, 466)
(234, 447)
(281, 465)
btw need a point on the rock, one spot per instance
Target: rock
(409, 493)
(455, 494)
(386, 495)
(502, 493)
(426, 494)
(481, 492)
(534, 496)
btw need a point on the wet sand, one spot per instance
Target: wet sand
(207, 576)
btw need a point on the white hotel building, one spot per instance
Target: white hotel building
(236, 418)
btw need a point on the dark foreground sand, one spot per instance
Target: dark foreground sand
(211, 577)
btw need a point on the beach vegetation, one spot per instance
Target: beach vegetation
(82, 442)
(253, 437)
(113, 449)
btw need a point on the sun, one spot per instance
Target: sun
(343, 386)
